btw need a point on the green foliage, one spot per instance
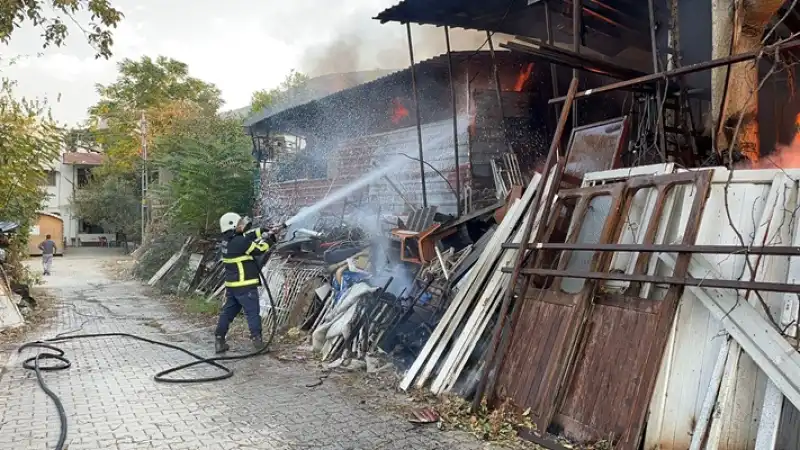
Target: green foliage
(49, 15)
(211, 168)
(113, 202)
(162, 91)
(30, 142)
(149, 83)
(267, 97)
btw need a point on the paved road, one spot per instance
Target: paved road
(113, 403)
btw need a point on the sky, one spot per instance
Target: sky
(241, 47)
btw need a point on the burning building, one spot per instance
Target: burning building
(347, 134)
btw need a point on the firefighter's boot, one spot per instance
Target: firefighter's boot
(220, 346)
(258, 344)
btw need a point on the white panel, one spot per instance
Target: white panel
(694, 347)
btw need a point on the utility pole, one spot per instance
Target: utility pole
(143, 132)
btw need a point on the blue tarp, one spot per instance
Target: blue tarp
(348, 279)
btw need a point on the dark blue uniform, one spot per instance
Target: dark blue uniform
(241, 279)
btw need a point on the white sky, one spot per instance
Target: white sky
(240, 46)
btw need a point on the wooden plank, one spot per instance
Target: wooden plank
(490, 252)
(488, 302)
(770, 351)
(594, 178)
(772, 409)
(169, 264)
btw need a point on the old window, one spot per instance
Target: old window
(50, 178)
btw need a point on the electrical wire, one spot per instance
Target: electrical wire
(52, 352)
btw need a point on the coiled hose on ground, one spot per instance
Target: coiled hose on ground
(54, 353)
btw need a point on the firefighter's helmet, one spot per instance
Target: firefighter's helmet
(229, 221)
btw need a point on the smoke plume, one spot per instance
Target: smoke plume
(366, 44)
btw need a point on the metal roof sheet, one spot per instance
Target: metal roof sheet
(437, 63)
(316, 88)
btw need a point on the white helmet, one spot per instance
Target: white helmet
(228, 221)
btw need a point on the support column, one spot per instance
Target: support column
(738, 27)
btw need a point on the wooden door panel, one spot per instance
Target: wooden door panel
(613, 377)
(546, 333)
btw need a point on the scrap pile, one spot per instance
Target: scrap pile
(452, 343)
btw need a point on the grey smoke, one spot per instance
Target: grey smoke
(365, 44)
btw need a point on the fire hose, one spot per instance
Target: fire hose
(54, 353)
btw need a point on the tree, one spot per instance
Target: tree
(30, 143)
(113, 202)
(211, 169)
(265, 98)
(49, 16)
(162, 90)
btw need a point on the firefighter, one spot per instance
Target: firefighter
(240, 247)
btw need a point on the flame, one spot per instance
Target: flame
(784, 157)
(523, 77)
(399, 112)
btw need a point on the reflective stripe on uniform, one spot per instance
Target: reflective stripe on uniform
(244, 283)
(238, 259)
(257, 231)
(257, 245)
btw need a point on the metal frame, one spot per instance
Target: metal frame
(676, 281)
(419, 120)
(667, 248)
(685, 70)
(455, 121)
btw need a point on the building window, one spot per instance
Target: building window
(84, 175)
(50, 178)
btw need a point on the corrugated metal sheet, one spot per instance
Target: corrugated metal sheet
(358, 157)
(361, 156)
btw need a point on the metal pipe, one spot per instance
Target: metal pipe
(656, 68)
(541, 199)
(577, 32)
(455, 120)
(675, 281)
(666, 248)
(419, 120)
(498, 91)
(553, 70)
(685, 70)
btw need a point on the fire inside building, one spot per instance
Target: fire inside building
(596, 346)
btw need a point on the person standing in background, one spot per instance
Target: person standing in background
(48, 248)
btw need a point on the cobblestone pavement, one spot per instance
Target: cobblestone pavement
(113, 403)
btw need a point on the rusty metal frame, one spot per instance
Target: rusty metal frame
(415, 94)
(685, 70)
(668, 248)
(677, 281)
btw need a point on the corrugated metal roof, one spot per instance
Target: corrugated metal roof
(316, 88)
(437, 64)
(617, 19)
(7, 227)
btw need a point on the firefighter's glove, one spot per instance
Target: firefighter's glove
(269, 235)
